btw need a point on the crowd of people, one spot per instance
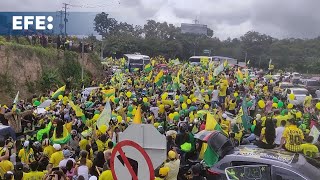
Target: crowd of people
(72, 138)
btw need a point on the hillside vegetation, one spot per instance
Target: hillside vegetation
(34, 69)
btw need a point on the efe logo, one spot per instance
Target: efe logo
(40, 22)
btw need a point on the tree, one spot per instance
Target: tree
(103, 24)
(160, 38)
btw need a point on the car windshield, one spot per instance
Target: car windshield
(136, 61)
(194, 59)
(135, 66)
(284, 86)
(300, 92)
(146, 61)
(313, 83)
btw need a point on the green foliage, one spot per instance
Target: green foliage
(2, 39)
(103, 24)
(160, 38)
(71, 68)
(49, 78)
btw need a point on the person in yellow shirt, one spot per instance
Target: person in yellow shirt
(83, 143)
(232, 106)
(309, 149)
(102, 143)
(33, 174)
(225, 124)
(48, 150)
(84, 155)
(57, 156)
(26, 154)
(292, 137)
(106, 174)
(5, 166)
(222, 92)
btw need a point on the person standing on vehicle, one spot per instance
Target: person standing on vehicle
(292, 137)
(173, 163)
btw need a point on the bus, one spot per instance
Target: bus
(134, 61)
(196, 60)
(221, 59)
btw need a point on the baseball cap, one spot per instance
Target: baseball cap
(172, 154)
(26, 143)
(57, 147)
(66, 153)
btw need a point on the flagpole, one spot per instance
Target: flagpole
(245, 59)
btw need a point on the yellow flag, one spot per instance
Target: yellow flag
(149, 76)
(210, 77)
(211, 123)
(76, 108)
(137, 116)
(240, 75)
(153, 62)
(203, 149)
(159, 77)
(225, 63)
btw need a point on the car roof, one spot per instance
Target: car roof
(304, 89)
(209, 57)
(136, 56)
(311, 80)
(274, 157)
(280, 156)
(286, 83)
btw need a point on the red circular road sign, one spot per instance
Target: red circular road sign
(118, 148)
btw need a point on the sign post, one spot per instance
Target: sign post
(136, 166)
(140, 150)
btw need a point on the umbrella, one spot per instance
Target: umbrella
(204, 135)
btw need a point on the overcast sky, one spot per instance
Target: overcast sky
(228, 18)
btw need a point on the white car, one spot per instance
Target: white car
(299, 95)
(285, 85)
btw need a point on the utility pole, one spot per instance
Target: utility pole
(65, 7)
(60, 15)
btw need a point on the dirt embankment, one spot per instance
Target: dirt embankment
(30, 69)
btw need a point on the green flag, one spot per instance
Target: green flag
(210, 157)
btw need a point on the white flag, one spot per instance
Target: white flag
(16, 99)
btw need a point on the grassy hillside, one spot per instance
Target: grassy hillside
(34, 69)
